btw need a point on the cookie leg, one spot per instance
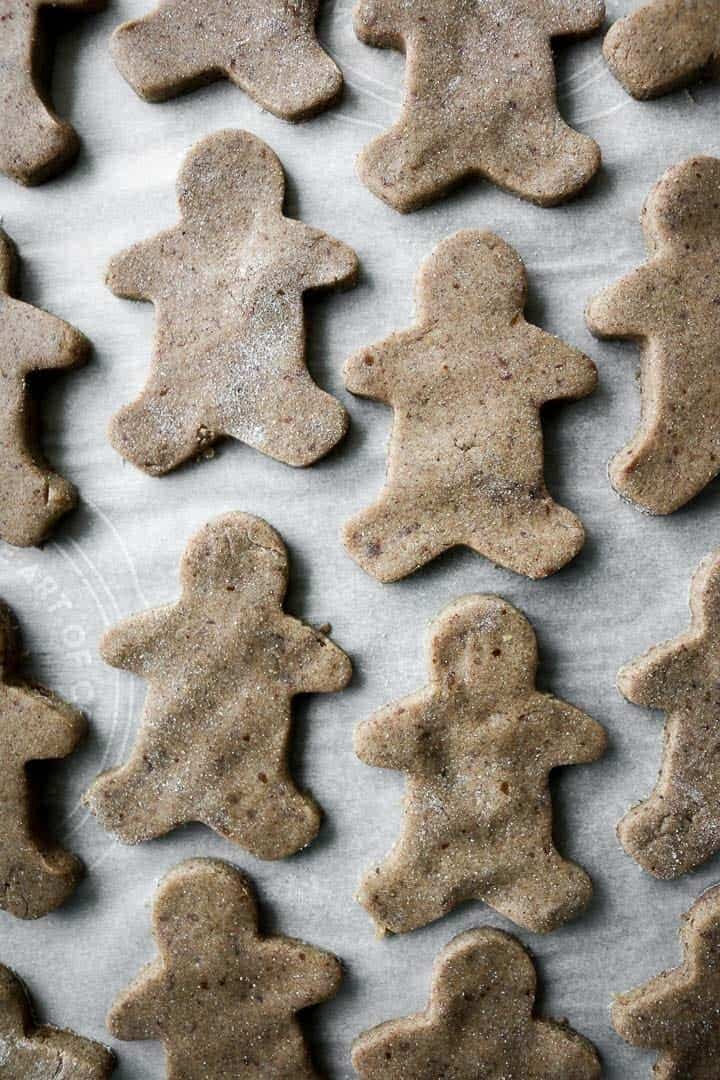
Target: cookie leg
(157, 58)
(401, 895)
(156, 436)
(535, 544)
(406, 168)
(35, 144)
(543, 898)
(32, 889)
(133, 804)
(664, 841)
(271, 823)
(298, 429)
(34, 502)
(646, 473)
(389, 540)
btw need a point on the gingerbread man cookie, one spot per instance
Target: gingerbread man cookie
(228, 285)
(466, 456)
(664, 44)
(221, 997)
(677, 1012)
(479, 1023)
(35, 875)
(480, 99)
(670, 306)
(678, 827)
(266, 47)
(477, 745)
(32, 498)
(32, 1052)
(35, 144)
(223, 664)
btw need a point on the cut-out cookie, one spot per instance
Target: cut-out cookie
(480, 99)
(676, 1013)
(678, 827)
(35, 876)
(266, 47)
(670, 305)
(477, 745)
(223, 664)
(466, 456)
(221, 997)
(228, 285)
(664, 44)
(32, 498)
(479, 1023)
(35, 144)
(32, 1052)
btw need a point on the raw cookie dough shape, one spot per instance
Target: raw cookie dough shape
(676, 1013)
(221, 997)
(228, 283)
(479, 1023)
(223, 665)
(670, 306)
(32, 498)
(477, 745)
(266, 47)
(32, 1052)
(663, 45)
(35, 144)
(466, 454)
(678, 827)
(35, 875)
(480, 99)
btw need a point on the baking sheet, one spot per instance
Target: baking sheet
(120, 551)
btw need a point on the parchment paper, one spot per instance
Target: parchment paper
(120, 551)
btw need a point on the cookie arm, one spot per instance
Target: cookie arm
(321, 667)
(132, 644)
(49, 728)
(565, 373)
(575, 18)
(394, 736)
(133, 274)
(655, 679)
(43, 340)
(330, 263)
(136, 1011)
(625, 309)
(568, 735)
(645, 1016)
(311, 975)
(371, 373)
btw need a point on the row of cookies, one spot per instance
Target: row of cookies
(229, 361)
(223, 999)
(452, 125)
(482, 661)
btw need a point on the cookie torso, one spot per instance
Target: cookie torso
(228, 283)
(466, 454)
(477, 747)
(479, 1022)
(223, 665)
(479, 99)
(670, 306)
(221, 997)
(267, 47)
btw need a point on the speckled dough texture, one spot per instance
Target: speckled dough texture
(480, 99)
(221, 997)
(35, 875)
(32, 498)
(35, 144)
(665, 44)
(223, 665)
(228, 284)
(479, 1024)
(467, 383)
(32, 1052)
(678, 827)
(676, 1013)
(267, 47)
(670, 306)
(477, 746)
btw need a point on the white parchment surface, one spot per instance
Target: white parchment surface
(120, 551)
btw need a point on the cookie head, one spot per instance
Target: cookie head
(236, 554)
(484, 645)
(683, 209)
(473, 273)
(468, 974)
(228, 177)
(201, 902)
